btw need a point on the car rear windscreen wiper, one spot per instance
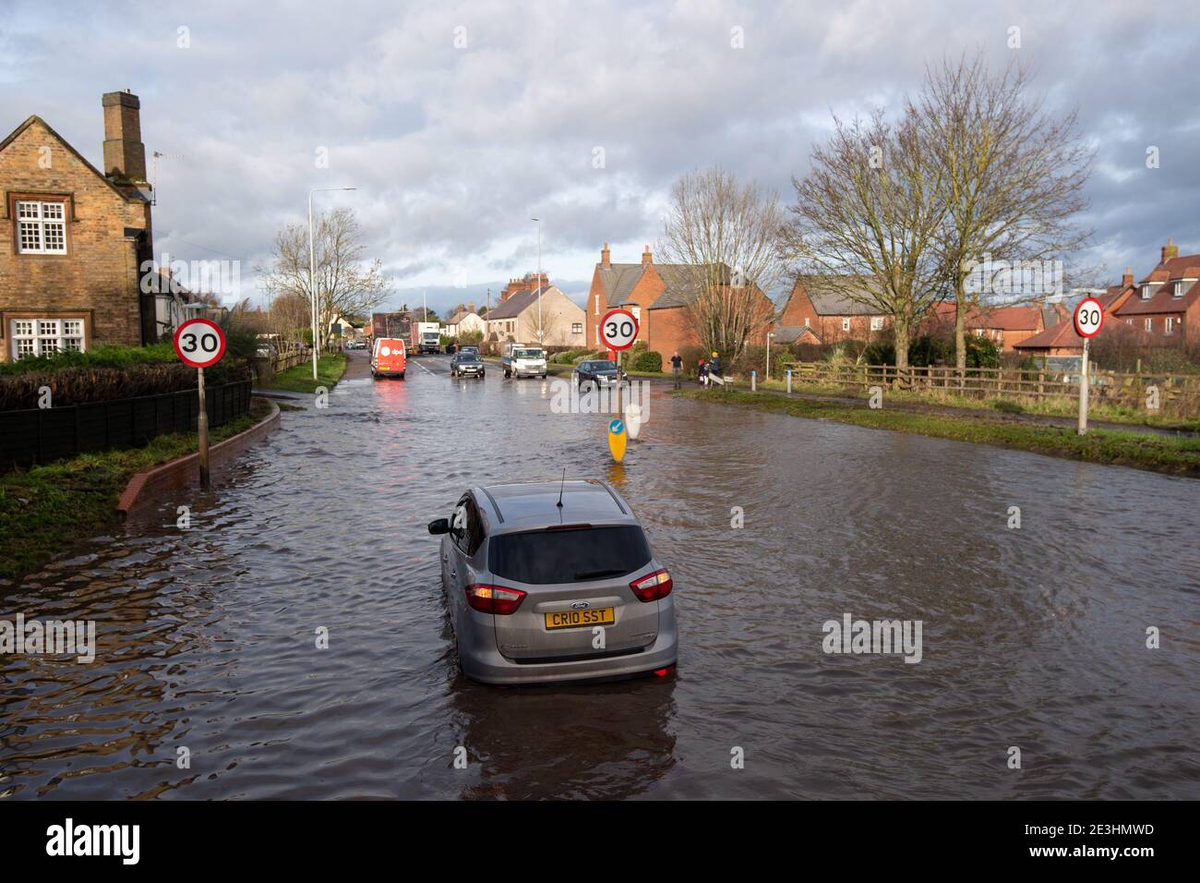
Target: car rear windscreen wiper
(596, 574)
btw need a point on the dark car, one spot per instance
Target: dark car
(466, 364)
(596, 374)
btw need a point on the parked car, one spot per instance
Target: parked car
(520, 360)
(539, 575)
(466, 364)
(596, 374)
(389, 358)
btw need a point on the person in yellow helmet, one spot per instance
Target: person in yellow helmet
(714, 365)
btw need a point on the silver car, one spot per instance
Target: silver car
(554, 581)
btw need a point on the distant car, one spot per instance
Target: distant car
(389, 358)
(596, 374)
(265, 350)
(466, 364)
(541, 592)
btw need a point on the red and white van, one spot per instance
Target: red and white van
(388, 358)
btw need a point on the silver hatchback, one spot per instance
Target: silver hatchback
(554, 581)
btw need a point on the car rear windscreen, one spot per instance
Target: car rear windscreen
(566, 556)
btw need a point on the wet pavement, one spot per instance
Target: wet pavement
(1034, 638)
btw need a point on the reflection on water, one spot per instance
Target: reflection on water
(1032, 637)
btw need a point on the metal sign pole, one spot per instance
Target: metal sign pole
(202, 430)
(1083, 388)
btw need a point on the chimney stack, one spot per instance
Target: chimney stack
(646, 257)
(471, 307)
(124, 153)
(605, 257)
(1170, 250)
(1127, 279)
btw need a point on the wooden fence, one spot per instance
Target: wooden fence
(1040, 385)
(42, 435)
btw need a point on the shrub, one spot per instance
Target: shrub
(647, 360)
(1008, 407)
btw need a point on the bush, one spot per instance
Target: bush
(1008, 407)
(647, 360)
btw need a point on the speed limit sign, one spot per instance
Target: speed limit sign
(1089, 317)
(200, 343)
(618, 330)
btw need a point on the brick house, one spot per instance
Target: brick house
(516, 317)
(1163, 309)
(1166, 304)
(1007, 326)
(72, 238)
(659, 296)
(816, 311)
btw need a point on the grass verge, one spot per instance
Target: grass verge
(1176, 456)
(298, 378)
(1059, 406)
(46, 509)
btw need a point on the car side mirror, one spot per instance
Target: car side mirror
(439, 525)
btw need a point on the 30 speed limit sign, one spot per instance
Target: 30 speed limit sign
(200, 343)
(618, 330)
(1089, 317)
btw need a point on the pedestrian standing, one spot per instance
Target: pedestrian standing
(714, 366)
(702, 373)
(676, 368)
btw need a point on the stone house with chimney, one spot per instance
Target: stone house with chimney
(660, 296)
(73, 238)
(464, 320)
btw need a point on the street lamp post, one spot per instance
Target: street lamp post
(539, 281)
(767, 373)
(312, 271)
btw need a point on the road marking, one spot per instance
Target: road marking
(423, 368)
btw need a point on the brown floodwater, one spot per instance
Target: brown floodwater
(1034, 638)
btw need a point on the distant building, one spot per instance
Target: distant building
(818, 310)
(516, 318)
(1163, 309)
(464, 320)
(1006, 326)
(72, 238)
(659, 296)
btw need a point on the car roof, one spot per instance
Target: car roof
(521, 506)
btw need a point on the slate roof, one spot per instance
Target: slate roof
(829, 298)
(517, 303)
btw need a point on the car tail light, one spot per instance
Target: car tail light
(494, 599)
(652, 587)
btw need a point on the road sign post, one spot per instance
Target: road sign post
(200, 343)
(1089, 319)
(618, 332)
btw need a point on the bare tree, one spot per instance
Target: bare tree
(725, 236)
(1012, 177)
(346, 283)
(866, 217)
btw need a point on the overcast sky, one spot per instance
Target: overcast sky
(454, 148)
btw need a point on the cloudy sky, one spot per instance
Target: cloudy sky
(460, 121)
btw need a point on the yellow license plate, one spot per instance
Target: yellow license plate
(573, 619)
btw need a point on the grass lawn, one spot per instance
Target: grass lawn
(46, 509)
(298, 378)
(1177, 456)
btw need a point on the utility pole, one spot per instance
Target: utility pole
(539, 281)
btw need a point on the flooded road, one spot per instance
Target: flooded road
(1034, 638)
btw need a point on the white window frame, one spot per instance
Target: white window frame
(1168, 324)
(1149, 323)
(597, 310)
(845, 323)
(577, 328)
(1145, 292)
(43, 335)
(877, 323)
(1178, 289)
(41, 224)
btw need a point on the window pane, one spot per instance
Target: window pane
(73, 327)
(563, 556)
(30, 238)
(22, 327)
(56, 237)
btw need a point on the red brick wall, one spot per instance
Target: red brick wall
(98, 277)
